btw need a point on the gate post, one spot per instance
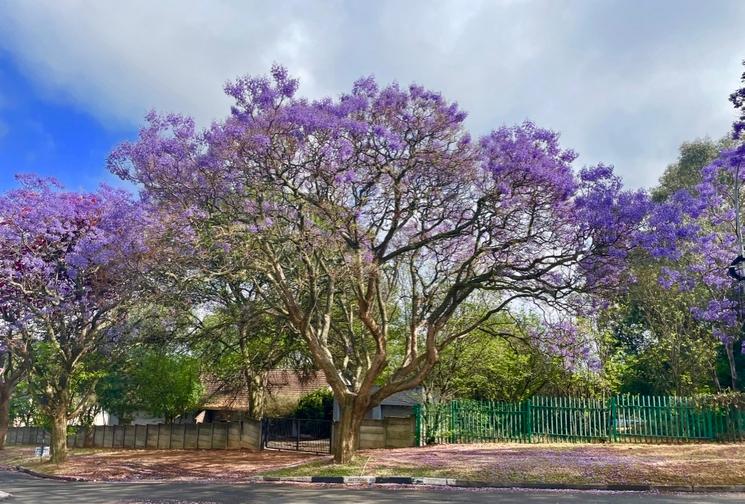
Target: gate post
(527, 420)
(612, 419)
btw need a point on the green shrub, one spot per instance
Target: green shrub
(318, 404)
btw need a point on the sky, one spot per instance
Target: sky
(625, 82)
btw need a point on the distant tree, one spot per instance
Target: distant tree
(665, 348)
(485, 368)
(116, 391)
(15, 362)
(499, 361)
(167, 384)
(696, 235)
(686, 172)
(505, 361)
(23, 408)
(243, 342)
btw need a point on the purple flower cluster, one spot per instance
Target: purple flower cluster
(64, 256)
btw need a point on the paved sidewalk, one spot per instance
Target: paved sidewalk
(27, 489)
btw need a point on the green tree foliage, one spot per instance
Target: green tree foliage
(79, 383)
(318, 404)
(168, 384)
(487, 368)
(161, 382)
(685, 173)
(504, 361)
(117, 391)
(244, 342)
(656, 345)
(23, 408)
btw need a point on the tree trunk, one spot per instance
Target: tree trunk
(89, 437)
(256, 396)
(732, 367)
(59, 436)
(5, 392)
(347, 430)
(715, 374)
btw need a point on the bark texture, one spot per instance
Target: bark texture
(6, 391)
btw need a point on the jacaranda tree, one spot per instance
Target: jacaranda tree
(66, 262)
(375, 216)
(698, 232)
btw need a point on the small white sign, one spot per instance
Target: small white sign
(42, 451)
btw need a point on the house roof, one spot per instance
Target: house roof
(281, 383)
(404, 398)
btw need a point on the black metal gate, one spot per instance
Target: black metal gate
(298, 434)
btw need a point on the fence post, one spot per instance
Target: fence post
(453, 409)
(527, 420)
(297, 427)
(612, 434)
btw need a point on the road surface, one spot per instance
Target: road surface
(28, 489)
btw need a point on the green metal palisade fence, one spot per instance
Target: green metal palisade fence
(624, 418)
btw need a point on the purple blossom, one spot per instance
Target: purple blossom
(386, 176)
(65, 253)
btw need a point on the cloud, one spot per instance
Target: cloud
(626, 82)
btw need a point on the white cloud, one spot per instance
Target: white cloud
(626, 83)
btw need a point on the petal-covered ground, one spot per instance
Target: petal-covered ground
(701, 464)
(159, 464)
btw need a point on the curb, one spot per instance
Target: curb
(37, 474)
(443, 482)
(459, 483)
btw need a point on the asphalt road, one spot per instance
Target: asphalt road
(28, 489)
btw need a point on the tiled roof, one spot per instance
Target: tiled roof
(284, 383)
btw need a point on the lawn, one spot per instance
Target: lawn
(103, 464)
(702, 464)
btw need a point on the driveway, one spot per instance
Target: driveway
(27, 489)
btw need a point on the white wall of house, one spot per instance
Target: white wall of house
(138, 418)
(105, 418)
